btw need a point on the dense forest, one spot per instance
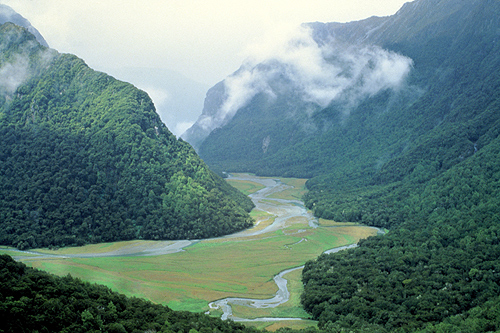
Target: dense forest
(85, 158)
(421, 161)
(437, 269)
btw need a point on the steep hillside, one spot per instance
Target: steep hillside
(384, 100)
(396, 121)
(456, 114)
(85, 158)
(379, 84)
(177, 99)
(437, 187)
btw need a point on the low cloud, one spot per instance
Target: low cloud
(182, 127)
(318, 73)
(13, 74)
(158, 95)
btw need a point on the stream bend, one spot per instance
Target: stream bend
(281, 296)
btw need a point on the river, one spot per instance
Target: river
(281, 296)
(281, 209)
(286, 209)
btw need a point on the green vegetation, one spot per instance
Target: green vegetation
(210, 269)
(422, 162)
(34, 301)
(290, 309)
(440, 198)
(205, 271)
(86, 159)
(246, 187)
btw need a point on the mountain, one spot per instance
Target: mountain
(305, 103)
(396, 121)
(202, 127)
(86, 158)
(8, 14)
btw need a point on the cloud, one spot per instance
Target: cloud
(13, 74)
(293, 61)
(158, 95)
(202, 39)
(182, 127)
(28, 60)
(241, 87)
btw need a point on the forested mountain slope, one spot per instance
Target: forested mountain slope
(389, 85)
(438, 268)
(408, 140)
(85, 158)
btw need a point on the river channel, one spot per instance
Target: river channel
(282, 209)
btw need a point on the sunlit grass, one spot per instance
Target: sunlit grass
(290, 309)
(330, 223)
(208, 270)
(14, 252)
(214, 269)
(295, 193)
(116, 247)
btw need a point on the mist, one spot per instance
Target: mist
(7, 14)
(18, 69)
(293, 62)
(13, 74)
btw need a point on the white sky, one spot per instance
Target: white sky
(205, 40)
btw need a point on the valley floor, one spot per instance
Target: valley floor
(189, 274)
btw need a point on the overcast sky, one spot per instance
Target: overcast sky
(205, 40)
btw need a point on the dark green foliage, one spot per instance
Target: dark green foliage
(407, 278)
(35, 301)
(422, 162)
(437, 268)
(85, 158)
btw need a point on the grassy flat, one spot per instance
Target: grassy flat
(246, 186)
(213, 269)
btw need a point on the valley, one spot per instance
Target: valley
(190, 274)
(393, 120)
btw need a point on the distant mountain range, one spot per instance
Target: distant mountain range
(396, 121)
(85, 158)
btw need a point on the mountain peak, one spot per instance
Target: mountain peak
(7, 14)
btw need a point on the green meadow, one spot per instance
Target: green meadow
(246, 186)
(212, 269)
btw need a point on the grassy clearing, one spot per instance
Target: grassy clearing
(330, 223)
(262, 219)
(15, 253)
(246, 186)
(116, 248)
(213, 269)
(273, 326)
(206, 271)
(295, 193)
(292, 308)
